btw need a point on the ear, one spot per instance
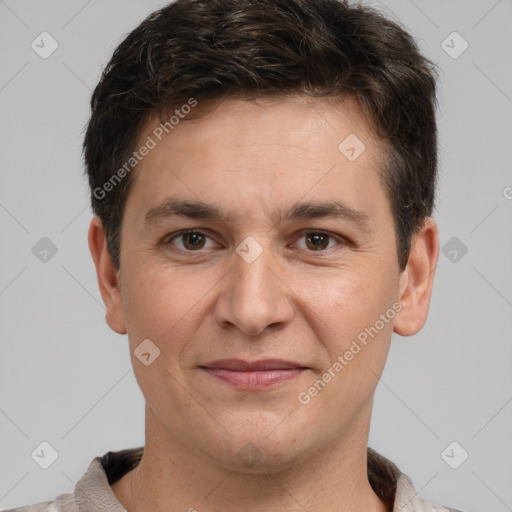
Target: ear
(417, 280)
(108, 279)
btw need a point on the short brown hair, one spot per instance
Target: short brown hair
(212, 48)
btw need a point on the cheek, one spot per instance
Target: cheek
(162, 303)
(347, 320)
(347, 308)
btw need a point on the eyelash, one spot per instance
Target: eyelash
(167, 240)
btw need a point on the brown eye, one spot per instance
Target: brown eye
(193, 240)
(317, 241)
(188, 240)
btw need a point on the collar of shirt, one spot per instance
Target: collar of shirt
(93, 492)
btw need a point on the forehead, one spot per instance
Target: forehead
(266, 118)
(262, 152)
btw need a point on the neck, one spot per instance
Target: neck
(170, 478)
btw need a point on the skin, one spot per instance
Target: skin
(252, 159)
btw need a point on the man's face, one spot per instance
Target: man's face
(300, 289)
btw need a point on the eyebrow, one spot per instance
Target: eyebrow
(305, 210)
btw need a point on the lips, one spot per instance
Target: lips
(255, 375)
(243, 366)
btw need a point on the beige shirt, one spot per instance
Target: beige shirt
(93, 492)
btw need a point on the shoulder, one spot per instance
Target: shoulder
(390, 484)
(93, 491)
(408, 500)
(63, 503)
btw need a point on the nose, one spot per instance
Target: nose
(254, 296)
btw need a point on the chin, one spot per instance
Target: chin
(260, 450)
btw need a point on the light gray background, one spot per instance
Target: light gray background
(65, 378)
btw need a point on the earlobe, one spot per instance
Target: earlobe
(416, 282)
(107, 276)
